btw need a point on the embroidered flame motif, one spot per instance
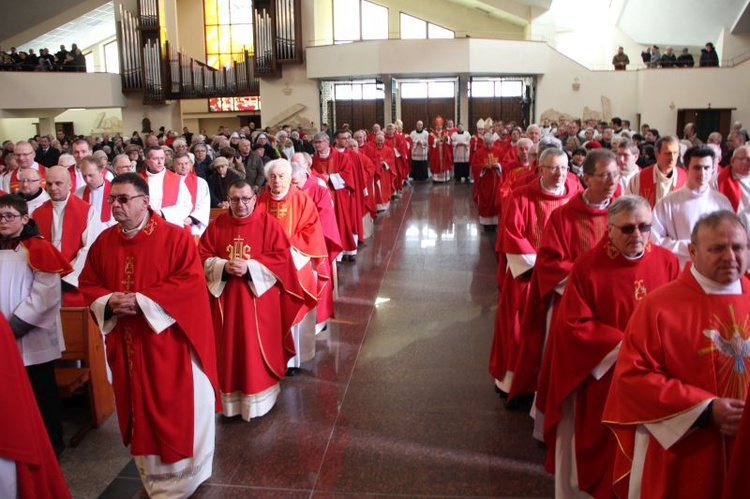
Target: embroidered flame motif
(731, 343)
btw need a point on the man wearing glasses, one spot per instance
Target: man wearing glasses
(30, 188)
(604, 287)
(679, 385)
(571, 230)
(146, 289)
(527, 212)
(677, 213)
(30, 272)
(249, 268)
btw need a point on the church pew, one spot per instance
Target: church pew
(84, 347)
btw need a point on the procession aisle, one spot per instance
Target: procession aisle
(398, 400)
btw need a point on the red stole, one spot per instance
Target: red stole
(171, 187)
(648, 184)
(730, 187)
(106, 210)
(75, 221)
(74, 180)
(15, 184)
(191, 182)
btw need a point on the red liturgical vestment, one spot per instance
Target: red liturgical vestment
(682, 348)
(151, 373)
(253, 339)
(600, 296)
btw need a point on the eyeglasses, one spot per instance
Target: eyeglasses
(556, 169)
(28, 180)
(630, 228)
(8, 217)
(241, 200)
(122, 198)
(607, 176)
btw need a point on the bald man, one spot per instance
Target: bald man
(71, 225)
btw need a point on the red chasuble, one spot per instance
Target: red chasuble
(440, 153)
(254, 342)
(487, 181)
(23, 438)
(368, 184)
(324, 205)
(73, 225)
(571, 230)
(344, 200)
(106, 212)
(647, 185)
(680, 349)
(43, 257)
(298, 217)
(151, 373)
(402, 166)
(600, 296)
(730, 187)
(736, 483)
(385, 178)
(526, 214)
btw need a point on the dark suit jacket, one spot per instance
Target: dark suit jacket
(48, 158)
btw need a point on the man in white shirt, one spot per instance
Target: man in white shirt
(95, 190)
(30, 188)
(461, 140)
(199, 195)
(419, 148)
(678, 212)
(656, 181)
(168, 194)
(627, 155)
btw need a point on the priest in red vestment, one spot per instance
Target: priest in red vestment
(440, 153)
(369, 207)
(571, 230)
(27, 462)
(734, 180)
(400, 148)
(384, 159)
(343, 137)
(146, 289)
(656, 181)
(526, 215)
(170, 197)
(95, 189)
(316, 189)
(250, 271)
(605, 285)
(338, 172)
(518, 170)
(680, 383)
(296, 213)
(488, 178)
(30, 272)
(71, 225)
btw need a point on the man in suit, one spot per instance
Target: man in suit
(46, 155)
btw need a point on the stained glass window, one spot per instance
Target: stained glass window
(229, 30)
(223, 104)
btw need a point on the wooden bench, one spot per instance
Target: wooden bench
(83, 343)
(215, 212)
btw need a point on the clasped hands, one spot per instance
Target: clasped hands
(236, 267)
(123, 304)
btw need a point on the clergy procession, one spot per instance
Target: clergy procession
(623, 311)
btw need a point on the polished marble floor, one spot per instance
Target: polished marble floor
(397, 402)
